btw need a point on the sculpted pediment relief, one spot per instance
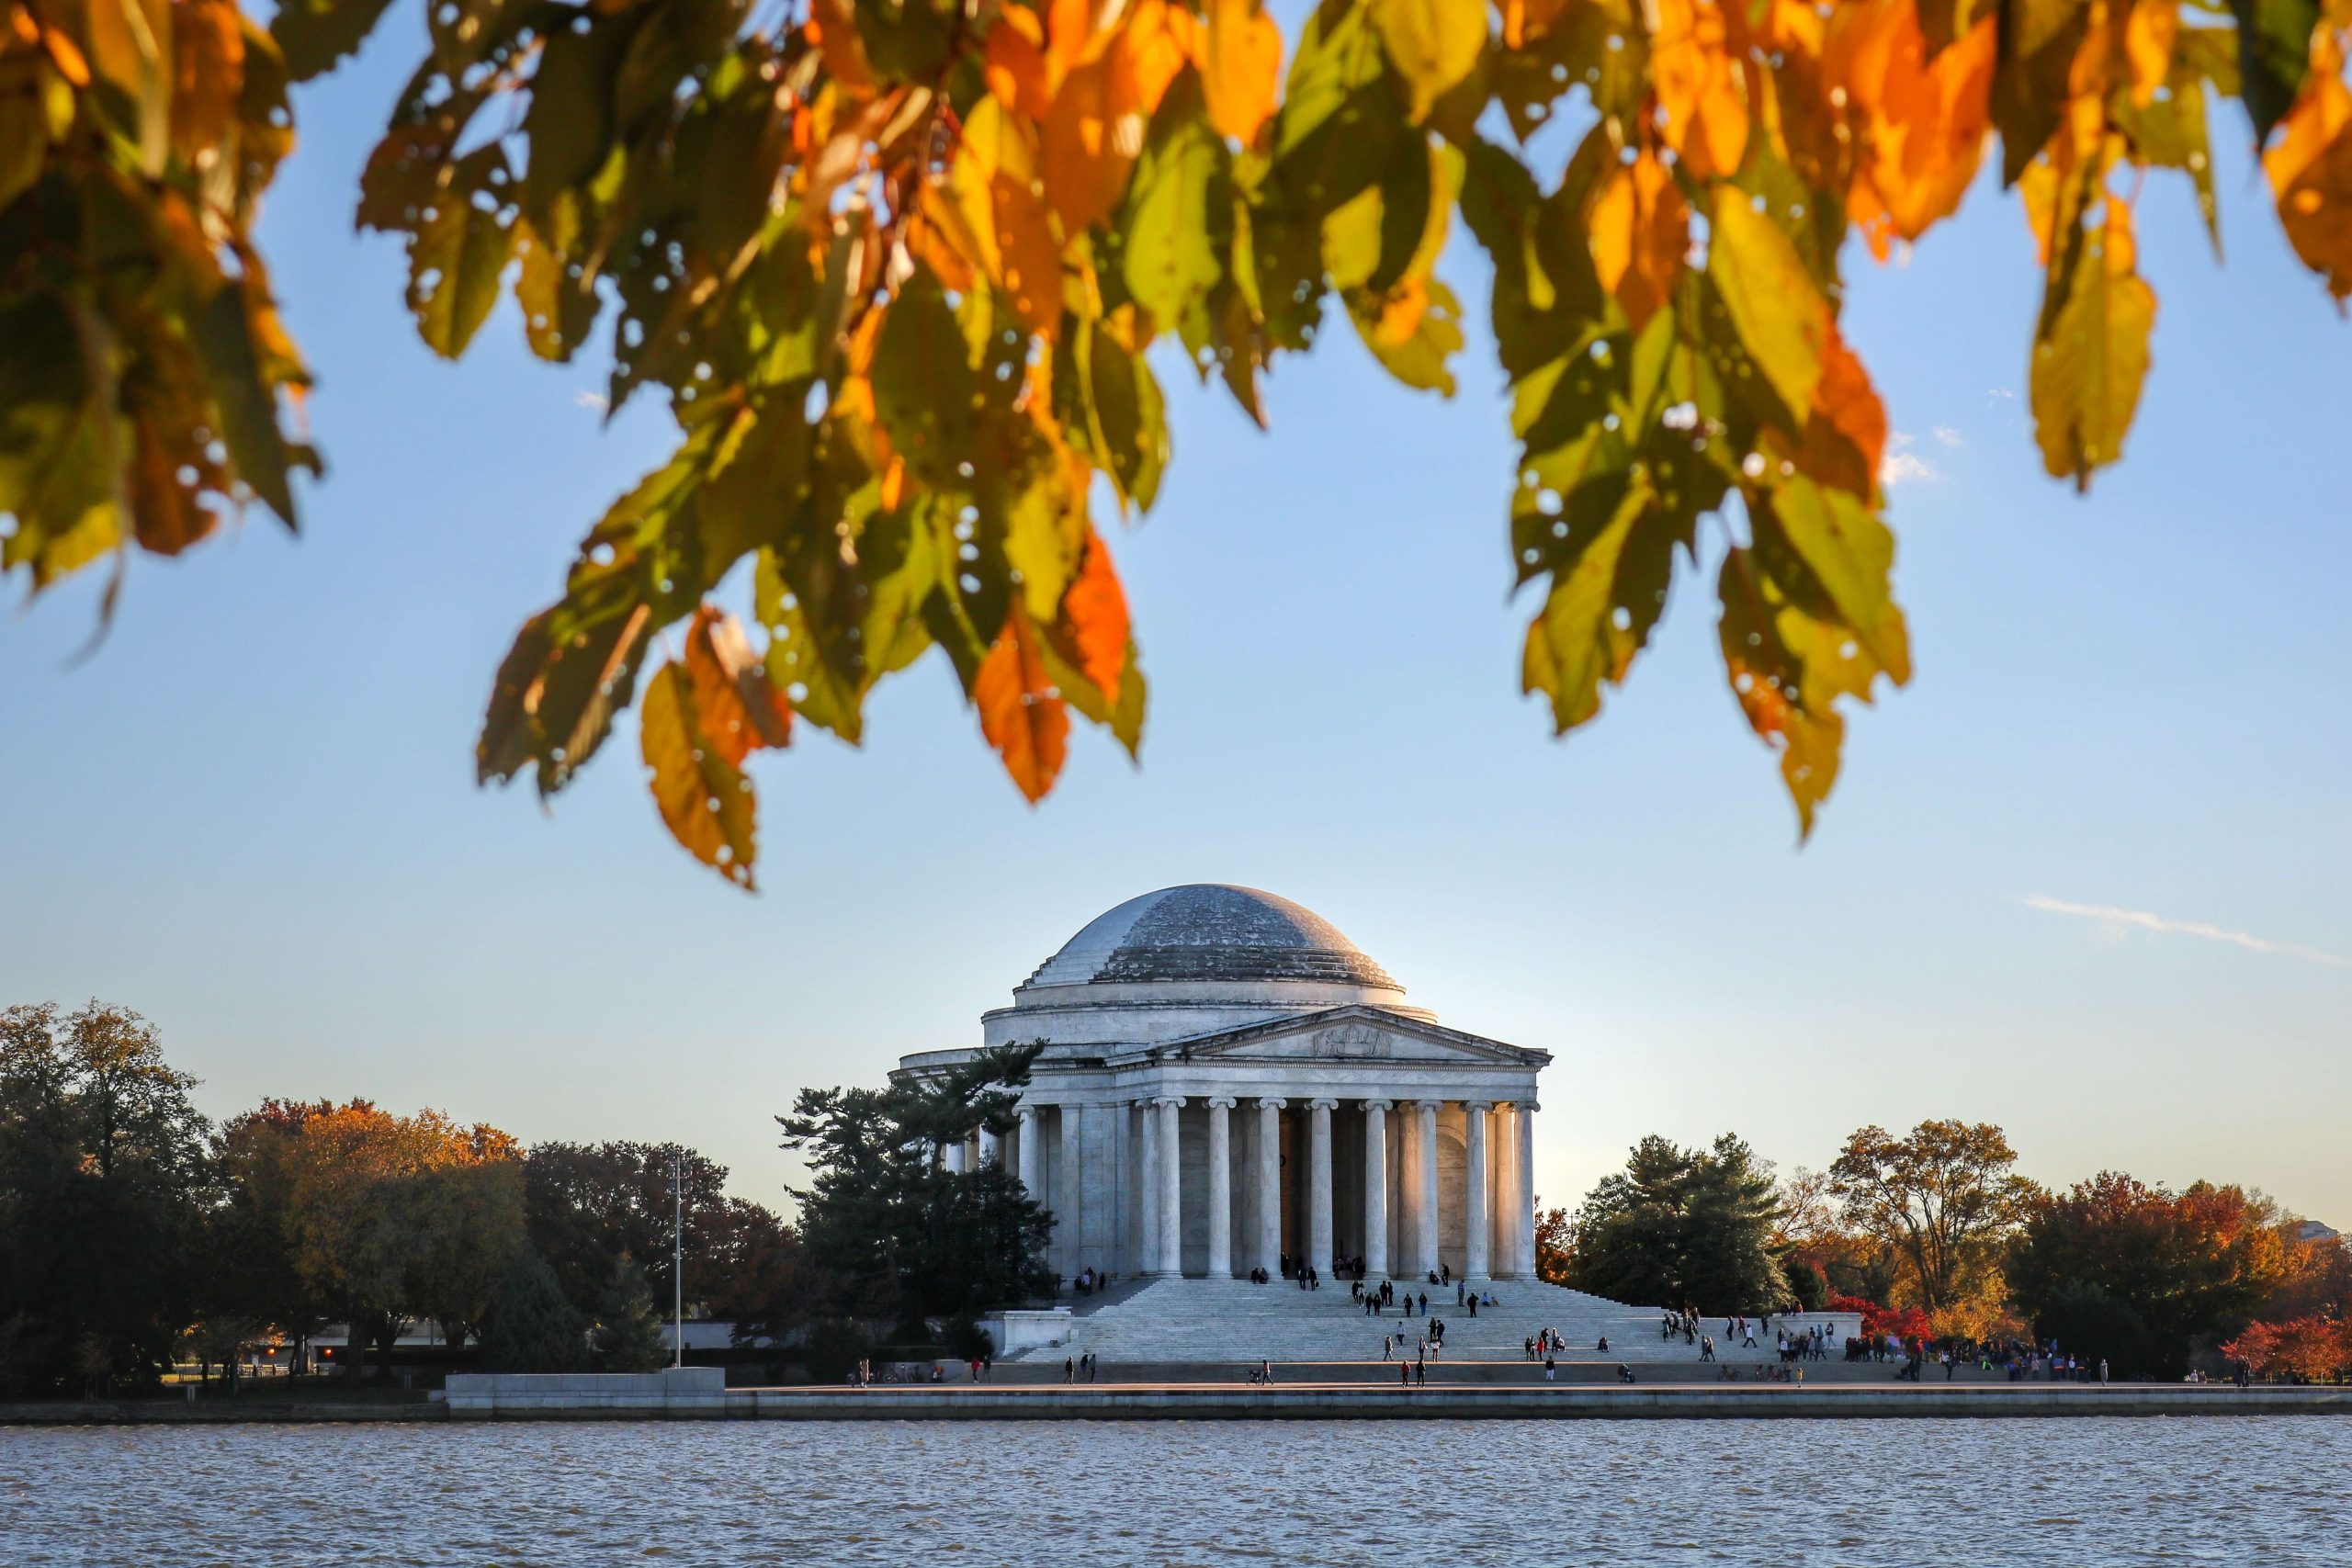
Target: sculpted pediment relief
(1356, 1039)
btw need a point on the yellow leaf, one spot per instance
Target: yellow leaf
(995, 181)
(2093, 354)
(1433, 44)
(1240, 67)
(1021, 714)
(1779, 312)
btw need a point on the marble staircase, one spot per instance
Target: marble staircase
(1227, 1320)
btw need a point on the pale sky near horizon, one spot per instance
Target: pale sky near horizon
(2086, 877)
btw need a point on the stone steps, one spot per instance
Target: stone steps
(1225, 1321)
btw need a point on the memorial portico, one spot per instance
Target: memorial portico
(1226, 1082)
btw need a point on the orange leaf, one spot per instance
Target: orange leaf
(1090, 141)
(833, 24)
(2148, 36)
(1069, 29)
(1016, 66)
(1699, 87)
(1240, 68)
(2310, 172)
(735, 706)
(1020, 714)
(1845, 437)
(1094, 616)
(1919, 126)
(1640, 231)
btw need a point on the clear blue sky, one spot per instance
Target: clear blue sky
(252, 814)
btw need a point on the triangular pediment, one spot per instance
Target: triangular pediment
(1351, 1034)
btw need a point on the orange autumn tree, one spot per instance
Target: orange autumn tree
(898, 267)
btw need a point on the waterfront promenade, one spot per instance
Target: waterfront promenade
(1167, 1401)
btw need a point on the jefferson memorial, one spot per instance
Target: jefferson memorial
(1227, 1082)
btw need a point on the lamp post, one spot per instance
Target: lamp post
(678, 1252)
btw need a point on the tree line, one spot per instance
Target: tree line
(135, 1233)
(1934, 1236)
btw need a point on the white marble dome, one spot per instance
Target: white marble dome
(1209, 931)
(1188, 959)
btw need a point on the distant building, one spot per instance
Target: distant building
(1228, 1081)
(2311, 1230)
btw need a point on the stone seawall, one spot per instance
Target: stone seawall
(1172, 1401)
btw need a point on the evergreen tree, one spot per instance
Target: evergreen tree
(1682, 1227)
(533, 1325)
(628, 1331)
(1730, 1261)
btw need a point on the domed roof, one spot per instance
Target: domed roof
(1209, 931)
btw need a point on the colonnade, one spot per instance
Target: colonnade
(1489, 1225)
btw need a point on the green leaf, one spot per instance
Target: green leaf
(1773, 302)
(2274, 53)
(923, 384)
(62, 447)
(458, 253)
(570, 123)
(315, 34)
(1849, 552)
(1433, 43)
(1179, 215)
(248, 404)
(1109, 403)
(2038, 40)
(1601, 609)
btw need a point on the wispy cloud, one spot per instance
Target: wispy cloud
(2000, 395)
(1949, 437)
(2143, 920)
(590, 400)
(1901, 466)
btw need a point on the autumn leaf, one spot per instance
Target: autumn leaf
(2093, 355)
(1433, 43)
(1021, 714)
(707, 806)
(1240, 68)
(740, 709)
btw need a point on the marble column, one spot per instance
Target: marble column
(1067, 1229)
(1026, 1151)
(1220, 1189)
(1318, 1181)
(1171, 1188)
(1523, 1199)
(1502, 1148)
(952, 1156)
(1425, 1173)
(1376, 1188)
(1475, 1233)
(1148, 1185)
(1270, 1185)
(991, 1146)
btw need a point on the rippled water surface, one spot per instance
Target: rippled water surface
(1911, 1492)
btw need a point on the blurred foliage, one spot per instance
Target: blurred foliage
(897, 266)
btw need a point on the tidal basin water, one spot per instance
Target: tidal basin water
(1906, 1493)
